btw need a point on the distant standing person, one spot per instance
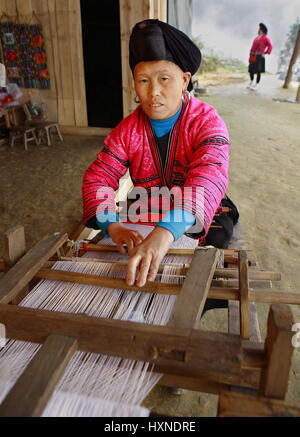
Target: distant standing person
(261, 46)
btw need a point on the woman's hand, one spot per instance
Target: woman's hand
(146, 257)
(122, 235)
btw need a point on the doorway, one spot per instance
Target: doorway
(102, 61)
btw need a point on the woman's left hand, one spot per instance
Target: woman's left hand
(146, 257)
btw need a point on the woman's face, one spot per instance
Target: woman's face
(159, 86)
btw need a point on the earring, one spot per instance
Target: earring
(136, 100)
(185, 93)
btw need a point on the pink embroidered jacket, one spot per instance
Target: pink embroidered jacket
(261, 45)
(196, 164)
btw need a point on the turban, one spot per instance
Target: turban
(154, 40)
(263, 27)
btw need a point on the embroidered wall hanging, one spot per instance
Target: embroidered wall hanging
(24, 55)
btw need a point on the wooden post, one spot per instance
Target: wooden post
(292, 61)
(279, 349)
(244, 295)
(14, 248)
(191, 300)
(31, 392)
(14, 245)
(24, 270)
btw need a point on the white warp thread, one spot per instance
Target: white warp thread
(93, 384)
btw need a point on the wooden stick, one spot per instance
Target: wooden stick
(178, 350)
(259, 275)
(228, 253)
(241, 405)
(244, 295)
(25, 269)
(257, 295)
(30, 394)
(14, 248)
(106, 281)
(14, 245)
(113, 248)
(191, 300)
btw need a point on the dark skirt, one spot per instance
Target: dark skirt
(258, 66)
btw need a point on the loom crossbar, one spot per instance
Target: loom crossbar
(188, 358)
(182, 351)
(25, 269)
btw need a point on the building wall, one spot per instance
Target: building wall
(61, 25)
(61, 21)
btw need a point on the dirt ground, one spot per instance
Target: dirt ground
(41, 189)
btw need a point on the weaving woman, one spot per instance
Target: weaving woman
(171, 140)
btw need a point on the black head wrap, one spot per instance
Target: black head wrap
(264, 28)
(154, 40)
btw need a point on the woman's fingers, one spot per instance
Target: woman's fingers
(153, 270)
(132, 268)
(137, 237)
(128, 238)
(147, 255)
(144, 270)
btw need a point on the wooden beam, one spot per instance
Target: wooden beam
(24, 270)
(257, 295)
(229, 255)
(241, 405)
(31, 392)
(106, 281)
(279, 348)
(244, 295)
(261, 278)
(158, 344)
(234, 320)
(191, 300)
(14, 246)
(201, 384)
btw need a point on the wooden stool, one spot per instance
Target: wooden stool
(27, 133)
(44, 127)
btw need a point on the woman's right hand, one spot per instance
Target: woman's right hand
(121, 236)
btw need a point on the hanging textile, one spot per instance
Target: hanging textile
(24, 54)
(10, 53)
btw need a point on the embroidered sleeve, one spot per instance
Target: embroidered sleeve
(207, 180)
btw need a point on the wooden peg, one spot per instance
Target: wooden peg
(14, 246)
(279, 349)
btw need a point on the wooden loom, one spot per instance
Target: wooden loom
(212, 362)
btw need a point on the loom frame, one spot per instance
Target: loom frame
(233, 366)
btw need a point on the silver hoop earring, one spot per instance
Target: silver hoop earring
(136, 100)
(185, 93)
